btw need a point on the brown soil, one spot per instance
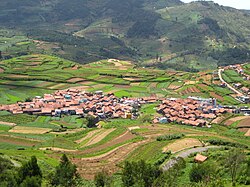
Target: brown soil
(89, 135)
(17, 76)
(122, 86)
(7, 123)
(122, 138)
(17, 141)
(232, 120)
(99, 137)
(173, 87)
(88, 167)
(244, 123)
(75, 80)
(190, 90)
(248, 133)
(180, 145)
(1, 70)
(213, 94)
(29, 130)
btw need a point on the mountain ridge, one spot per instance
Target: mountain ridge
(194, 36)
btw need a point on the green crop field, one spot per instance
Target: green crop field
(28, 76)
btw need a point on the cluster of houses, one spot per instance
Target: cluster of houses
(192, 111)
(75, 102)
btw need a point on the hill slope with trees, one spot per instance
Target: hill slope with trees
(195, 36)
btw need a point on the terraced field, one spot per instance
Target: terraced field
(93, 149)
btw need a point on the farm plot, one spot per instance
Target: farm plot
(100, 136)
(233, 120)
(219, 97)
(121, 139)
(189, 90)
(183, 144)
(244, 123)
(17, 140)
(29, 130)
(175, 85)
(109, 161)
(75, 80)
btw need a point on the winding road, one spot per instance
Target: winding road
(185, 154)
(228, 85)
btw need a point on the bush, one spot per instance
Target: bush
(170, 137)
(225, 143)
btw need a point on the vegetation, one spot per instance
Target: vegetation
(154, 33)
(169, 137)
(65, 174)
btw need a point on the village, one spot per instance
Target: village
(192, 111)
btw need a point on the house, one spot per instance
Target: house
(200, 158)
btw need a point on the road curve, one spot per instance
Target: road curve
(228, 85)
(185, 154)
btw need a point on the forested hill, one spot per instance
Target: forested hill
(163, 33)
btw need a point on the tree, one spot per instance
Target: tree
(28, 170)
(102, 179)
(169, 178)
(5, 164)
(139, 174)
(8, 179)
(65, 174)
(91, 121)
(234, 160)
(202, 172)
(31, 182)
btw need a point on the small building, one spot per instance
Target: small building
(163, 120)
(200, 158)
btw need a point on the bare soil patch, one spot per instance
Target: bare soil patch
(244, 123)
(56, 149)
(180, 145)
(190, 82)
(173, 87)
(17, 76)
(29, 130)
(248, 132)
(190, 90)
(1, 70)
(213, 94)
(233, 120)
(7, 123)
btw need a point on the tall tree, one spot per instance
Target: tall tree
(139, 174)
(235, 159)
(65, 174)
(102, 179)
(30, 170)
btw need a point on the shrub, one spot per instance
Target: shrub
(226, 143)
(169, 137)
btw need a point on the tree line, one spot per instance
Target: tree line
(235, 165)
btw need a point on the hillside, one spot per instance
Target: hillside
(195, 36)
